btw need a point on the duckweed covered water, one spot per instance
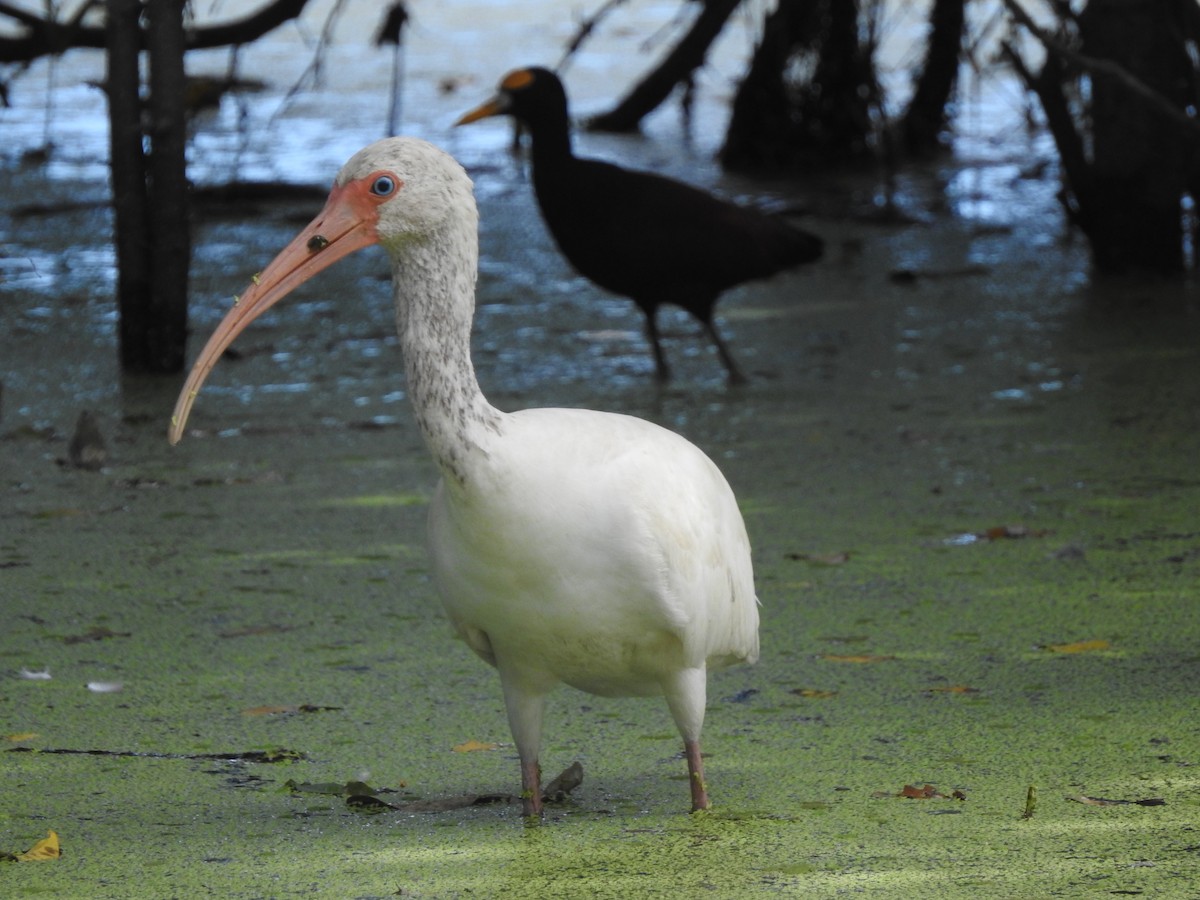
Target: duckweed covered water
(971, 492)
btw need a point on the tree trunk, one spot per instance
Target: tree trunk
(147, 147)
(925, 119)
(169, 213)
(679, 65)
(761, 123)
(806, 99)
(131, 225)
(1131, 158)
(150, 192)
(1140, 162)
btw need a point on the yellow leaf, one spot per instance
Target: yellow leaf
(1078, 647)
(954, 689)
(46, 848)
(814, 693)
(472, 746)
(269, 710)
(855, 657)
(22, 736)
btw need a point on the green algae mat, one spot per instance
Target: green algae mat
(974, 508)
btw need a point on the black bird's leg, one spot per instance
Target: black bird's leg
(662, 370)
(731, 367)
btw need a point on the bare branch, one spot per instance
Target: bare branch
(586, 27)
(1105, 67)
(45, 36)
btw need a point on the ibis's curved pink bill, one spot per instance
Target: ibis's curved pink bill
(347, 223)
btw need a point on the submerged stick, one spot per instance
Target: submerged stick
(1030, 802)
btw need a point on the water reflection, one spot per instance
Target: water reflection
(995, 286)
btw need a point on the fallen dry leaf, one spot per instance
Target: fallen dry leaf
(45, 849)
(1000, 532)
(1078, 647)
(854, 657)
(928, 792)
(473, 746)
(814, 693)
(21, 736)
(995, 533)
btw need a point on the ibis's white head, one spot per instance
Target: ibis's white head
(405, 190)
(405, 194)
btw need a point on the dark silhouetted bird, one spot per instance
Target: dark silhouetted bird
(637, 234)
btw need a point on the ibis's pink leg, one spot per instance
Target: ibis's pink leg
(685, 691)
(524, 697)
(531, 788)
(691, 750)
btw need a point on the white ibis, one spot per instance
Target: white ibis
(568, 545)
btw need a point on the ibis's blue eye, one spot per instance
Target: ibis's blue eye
(383, 186)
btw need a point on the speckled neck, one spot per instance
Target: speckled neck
(434, 279)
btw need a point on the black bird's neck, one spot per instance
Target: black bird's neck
(550, 136)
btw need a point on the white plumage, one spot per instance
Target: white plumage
(568, 545)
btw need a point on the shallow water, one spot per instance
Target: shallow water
(58, 269)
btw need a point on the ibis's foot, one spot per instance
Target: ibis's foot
(691, 749)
